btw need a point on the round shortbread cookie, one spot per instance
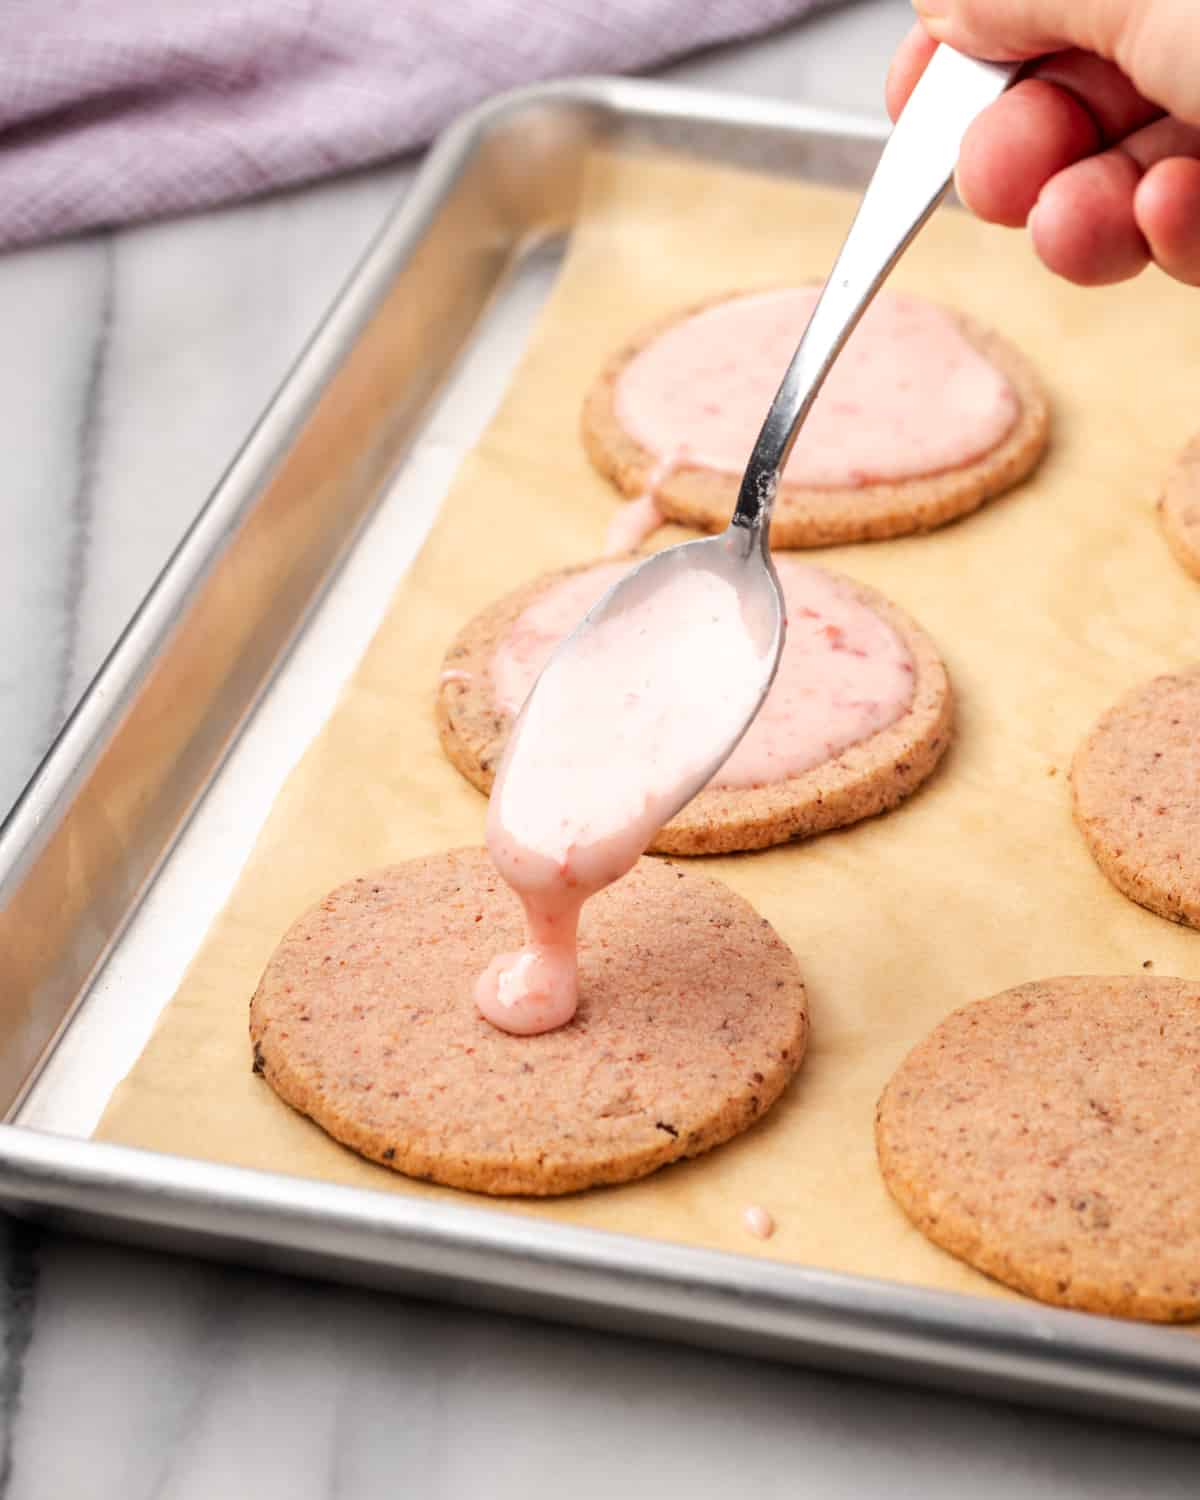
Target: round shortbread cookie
(864, 779)
(807, 516)
(1049, 1137)
(691, 1021)
(1179, 509)
(1135, 784)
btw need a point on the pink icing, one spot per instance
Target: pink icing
(909, 395)
(534, 990)
(632, 524)
(606, 748)
(758, 1221)
(640, 517)
(844, 674)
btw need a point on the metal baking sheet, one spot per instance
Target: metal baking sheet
(131, 836)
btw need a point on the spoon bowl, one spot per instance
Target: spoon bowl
(638, 708)
(738, 578)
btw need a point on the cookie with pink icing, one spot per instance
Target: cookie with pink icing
(924, 417)
(859, 715)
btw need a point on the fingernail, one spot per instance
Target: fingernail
(930, 10)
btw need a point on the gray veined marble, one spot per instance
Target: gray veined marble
(151, 1378)
(145, 356)
(20, 1244)
(53, 309)
(135, 364)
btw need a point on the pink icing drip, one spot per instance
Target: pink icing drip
(534, 989)
(609, 745)
(632, 524)
(844, 676)
(641, 517)
(758, 1221)
(909, 395)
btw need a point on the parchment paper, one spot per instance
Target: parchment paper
(1047, 604)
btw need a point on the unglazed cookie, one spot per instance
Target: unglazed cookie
(1049, 1137)
(1179, 509)
(861, 652)
(891, 446)
(691, 1021)
(1135, 785)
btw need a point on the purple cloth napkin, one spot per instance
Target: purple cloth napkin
(115, 110)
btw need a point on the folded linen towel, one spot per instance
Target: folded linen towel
(136, 108)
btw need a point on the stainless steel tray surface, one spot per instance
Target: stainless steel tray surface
(132, 833)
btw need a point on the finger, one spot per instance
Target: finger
(909, 62)
(1017, 145)
(1083, 225)
(1087, 225)
(1154, 43)
(1165, 209)
(1006, 30)
(1160, 141)
(1103, 88)
(1069, 106)
(1166, 206)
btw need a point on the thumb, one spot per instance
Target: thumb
(1155, 43)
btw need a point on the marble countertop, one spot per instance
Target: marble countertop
(144, 357)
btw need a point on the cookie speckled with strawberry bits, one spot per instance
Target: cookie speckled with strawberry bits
(691, 1021)
(1049, 1136)
(1179, 509)
(1135, 785)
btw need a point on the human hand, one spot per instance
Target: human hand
(1097, 151)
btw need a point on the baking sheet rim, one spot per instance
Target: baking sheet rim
(175, 1193)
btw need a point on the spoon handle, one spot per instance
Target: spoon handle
(912, 174)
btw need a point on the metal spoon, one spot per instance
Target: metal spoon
(912, 175)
